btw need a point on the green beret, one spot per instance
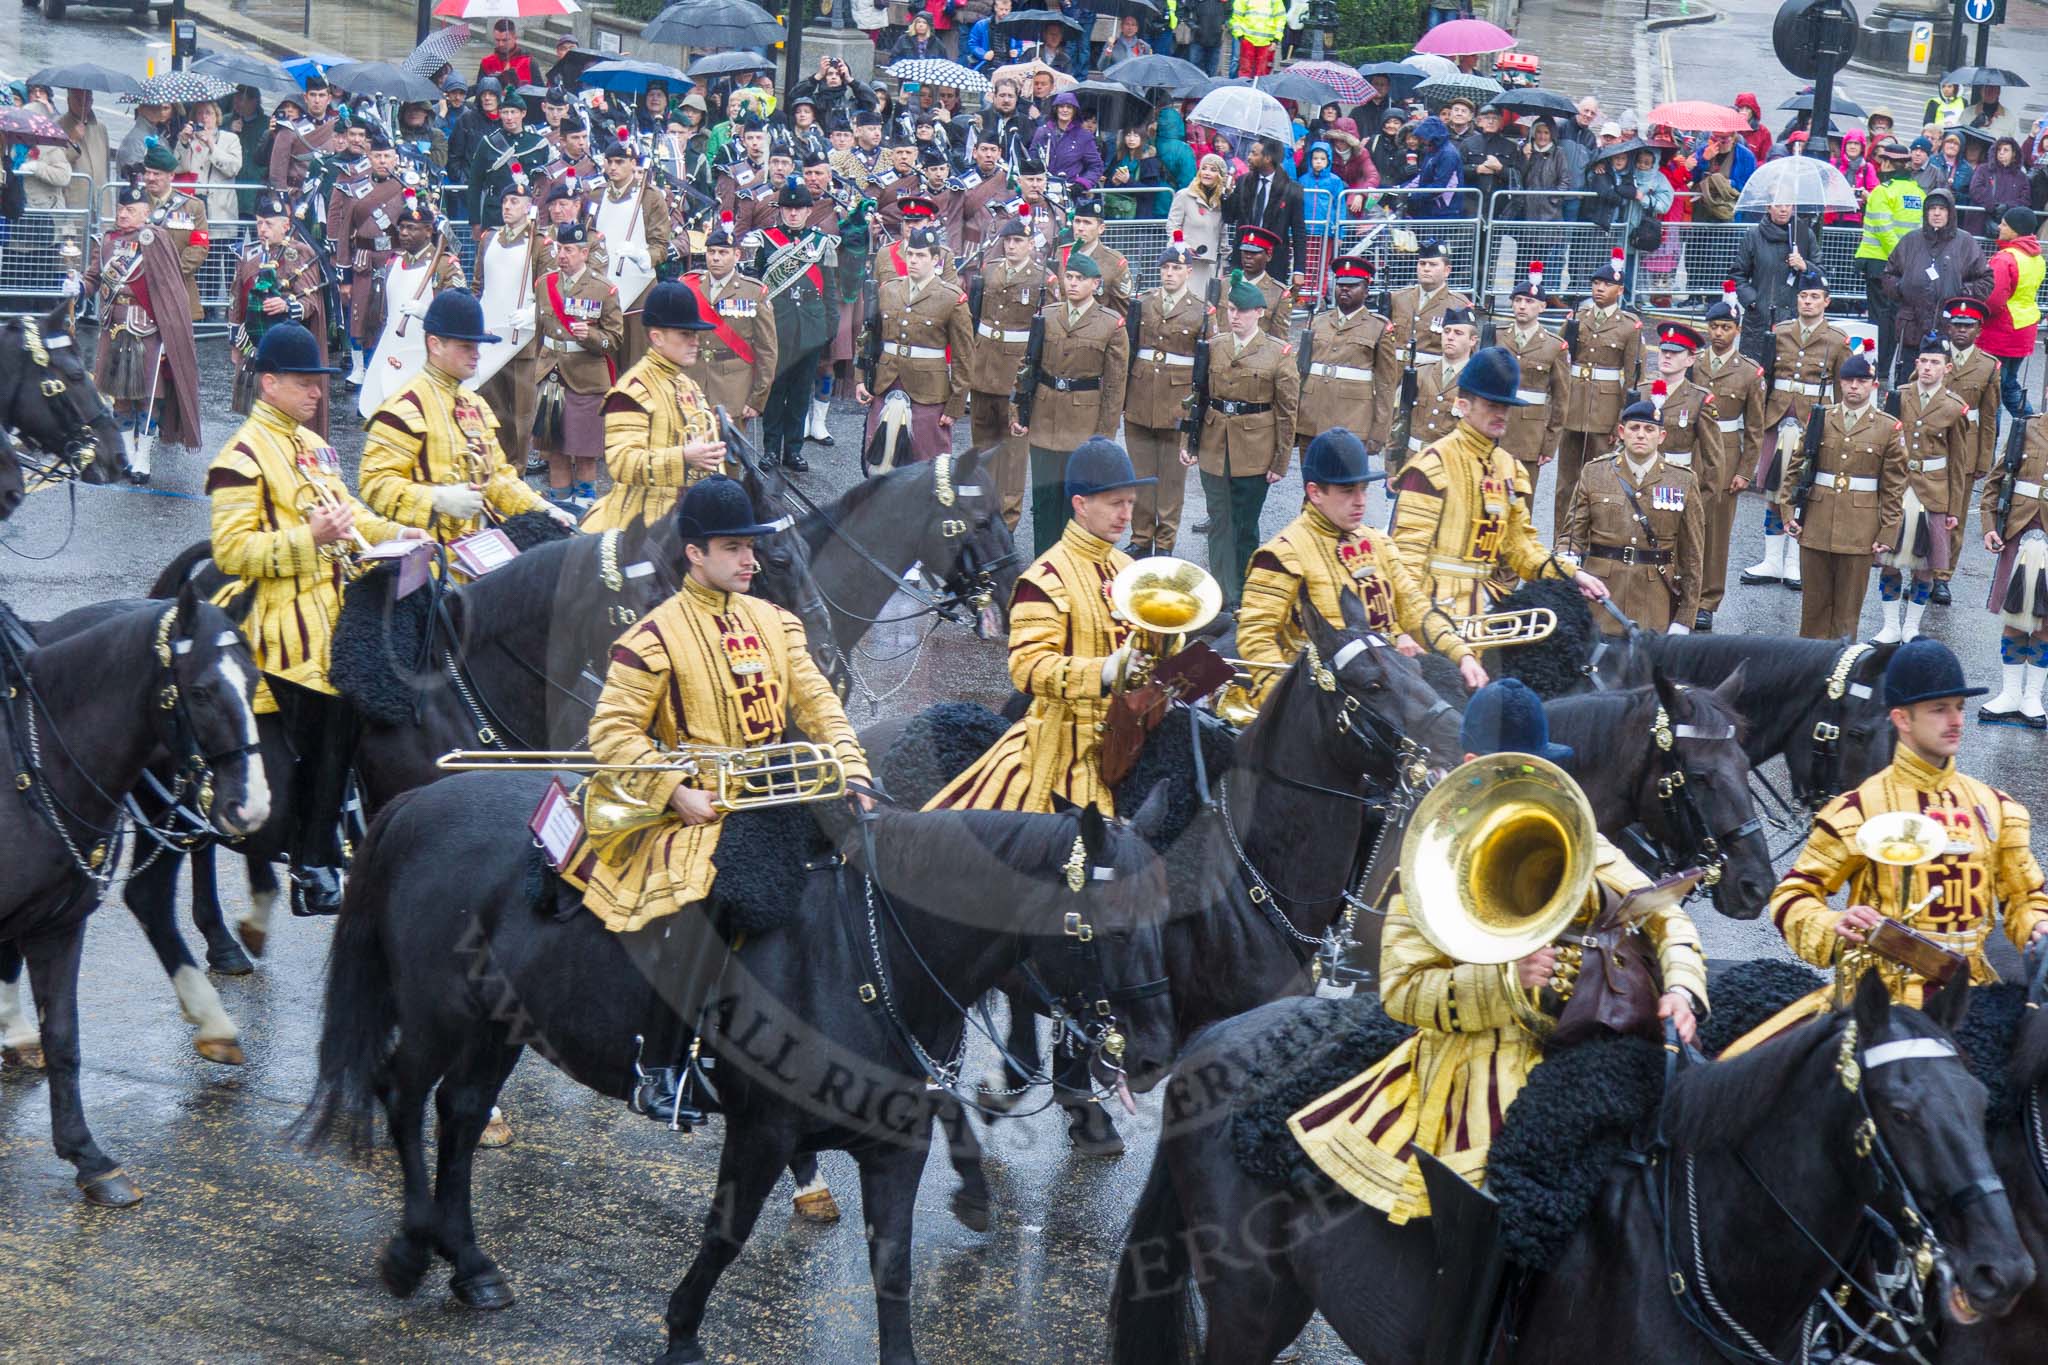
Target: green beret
(1081, 263)
(1243, 293)
(159, 157)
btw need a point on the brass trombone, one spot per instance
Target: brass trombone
(766, 775)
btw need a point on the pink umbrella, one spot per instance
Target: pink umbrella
(1698, 116)
(1465, 38)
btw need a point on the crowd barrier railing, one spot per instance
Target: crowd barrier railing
(44, 245)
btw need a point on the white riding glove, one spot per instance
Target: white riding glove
(563, 516)
(1119, 664)
(412, 308)
(522, 318)
(74, 284)
(454, 500)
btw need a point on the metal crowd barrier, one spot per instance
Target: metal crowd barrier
(33, 260)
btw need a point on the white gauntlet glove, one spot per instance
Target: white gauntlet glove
(522, 318)
(454, 500)
(412, 308)
(1124, 661)
(74, 284)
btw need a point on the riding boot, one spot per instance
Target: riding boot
(1771, 568)
(1464, 1309)
(681, 956)
(322, 730)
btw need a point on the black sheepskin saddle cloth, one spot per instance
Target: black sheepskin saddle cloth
(381, 643)
(1578, 1114)
(1554, 666)
(760, 862)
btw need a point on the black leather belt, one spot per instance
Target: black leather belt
(1629, 554)
(1065, 385)
(1230, 407)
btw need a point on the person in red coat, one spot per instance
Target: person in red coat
(512, 67)
(2014, 305)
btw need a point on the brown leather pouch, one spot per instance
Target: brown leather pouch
(1619, 983)
(1187, 677)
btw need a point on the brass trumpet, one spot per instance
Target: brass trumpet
(1163, 600)
(766, 775)
(310, 494)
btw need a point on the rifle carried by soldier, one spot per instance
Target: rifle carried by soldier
(1404, 407)
(2009, 471)
(1023, 397)
(1198, 396)
(870, 331)
(1809, 455)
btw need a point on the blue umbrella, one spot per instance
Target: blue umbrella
(1400, 76)
(313, 64)
(632, 77)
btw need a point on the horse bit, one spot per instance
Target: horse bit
(80, 446)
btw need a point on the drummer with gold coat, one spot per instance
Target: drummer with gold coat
(1329, 551)
(1067, 649)
(284, 521)
(660, 436)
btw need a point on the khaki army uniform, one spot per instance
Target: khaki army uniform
(1311, 553)
(925, 332)
(1533, 431)
(1807, 361)
(1082, 375)
(1062, 632)
(1462, 512)
(183, 217)
(1436, 404)
(1354, 375)
(728, 378)
(1116, 273)
(1973, 378)
(1277, 317)
(705, 667)
(1642, 538)
(434, 433)
(586, 367)
(1247, 434)
(1418, 321)
(649, 416)
(1444, 1089)
(1939, 449)
(1693, 440)
(1162, 378)
(1855, 504)
(1982, 871)
(1736, 384)
(1010, 299)
(1605, 361)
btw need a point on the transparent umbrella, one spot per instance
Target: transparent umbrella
(1241, 109)
(1805, 182)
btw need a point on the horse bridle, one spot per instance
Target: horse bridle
(1827, 730)
(1911, 1228)
(1699, 843)
(80, 446)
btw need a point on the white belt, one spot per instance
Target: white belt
(1729, 424)
(1927, 466)
(1849, 483)
(1801, 386)
(1166, 358)
(1459, 567)
(2025, 488)
(1681, 458)
(560, 344)
(1340, 371)
(1970, 416)
(1532, 396)
(917, 352)
(1602, 373)
(989, 329)
(1416, 443)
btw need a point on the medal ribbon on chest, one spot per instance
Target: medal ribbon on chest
(757, 692)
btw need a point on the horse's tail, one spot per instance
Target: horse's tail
(180, 569)
(1151, 1314)
(361, 1010)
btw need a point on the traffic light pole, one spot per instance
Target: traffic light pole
(425, 23)
(793, 46)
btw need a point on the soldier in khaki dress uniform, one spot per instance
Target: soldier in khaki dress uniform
(1853, 510)
(1003, 299)
(1436, 383)
(925, 325)
(1972, 377)
(1255, 247)
(2018, 535)
(1247, 432)
(1737, 385)
(1939, 448)
(180, 215)
(1164, 325)
(1353, 363)
(1416, 312)
(581, 332)
(1692, 435)
(1807, 354)
(1637, 525)
(1116, 271)
(1533, 430)
(1082, 372)
(735, 365)
(1606, 344)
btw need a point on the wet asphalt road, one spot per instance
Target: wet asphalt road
(247, 1250)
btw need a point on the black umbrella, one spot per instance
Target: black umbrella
(1110, 99)
(1286, 85)
(1535, 101)
(575, 62)
(1840, 104)
(730, 64)
(1154, 72)
(1984, 75)
(713, 24)
(382, 78)
(1033, 21)
(86, 76)
(246, 69)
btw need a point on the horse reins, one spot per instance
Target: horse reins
(1827, 730)
(1699, 844)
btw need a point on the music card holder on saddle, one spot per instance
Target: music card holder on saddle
(479, 552)
(1186, 677)
(412, 558)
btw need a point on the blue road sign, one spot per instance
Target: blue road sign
(1979, 11)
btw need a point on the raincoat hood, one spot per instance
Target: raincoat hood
(1171, 125)
(1433, 131)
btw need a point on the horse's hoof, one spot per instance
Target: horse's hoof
(28, 1056)
(229, 960)
(253, 938)
(497, 1133)
(112, 1190)
(971, 1210)
(817, 1206)
(685, 1353)
(225, 1051)
(486, 1290)
(401, 1267)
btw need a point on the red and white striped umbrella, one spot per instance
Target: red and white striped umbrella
(504, 9)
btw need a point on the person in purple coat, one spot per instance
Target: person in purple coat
(1066, 147)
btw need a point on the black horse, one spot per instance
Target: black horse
(824, 1032)
(84, 715)
(1758, 1193)
(1685, 784)
(60, 427)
